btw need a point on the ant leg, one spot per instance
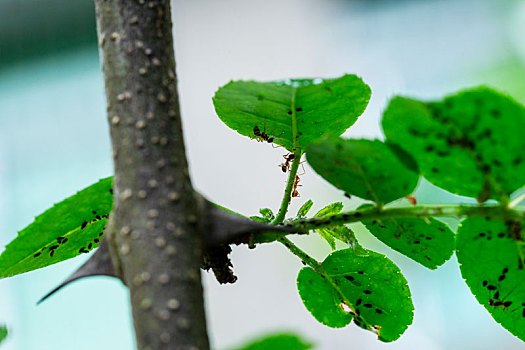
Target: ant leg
(302, 167)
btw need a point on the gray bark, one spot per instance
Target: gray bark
(153, 234)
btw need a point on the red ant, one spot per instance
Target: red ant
(261, 135)
(295, 193)
(286, 165)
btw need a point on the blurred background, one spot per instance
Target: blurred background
(54, 141)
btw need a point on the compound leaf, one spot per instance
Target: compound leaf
(470, 144)
(71, 227)
(281, 341)
(491, 257)
(368, 169)
(369, 289)
(430, 242)
(292, 113)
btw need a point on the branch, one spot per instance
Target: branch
(154, 238)
(420, 211)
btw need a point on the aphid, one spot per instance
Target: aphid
(84, 224)
(37, 254)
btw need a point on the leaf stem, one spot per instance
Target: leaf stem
(307, 259)
(421, 211)
(317, 267)
(279, 218)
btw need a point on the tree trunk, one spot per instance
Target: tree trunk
(153, 233)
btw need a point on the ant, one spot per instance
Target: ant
(286, 165)
(261, 136)
(295, 193)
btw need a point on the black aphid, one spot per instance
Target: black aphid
(379, 311)
(491, 287)
(368, 305)
(350, 278)
(84, 224)
(366, 291)
(37, 254)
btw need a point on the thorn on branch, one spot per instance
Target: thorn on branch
(99, 264)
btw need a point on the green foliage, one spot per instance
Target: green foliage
(368, 169)
(305, 208)
(280, 341)
(3, 333)
(491, 257)
(428, 241)
(469, 144)
(368, 289)
(71, 227)
(292, 113)
(330, 234)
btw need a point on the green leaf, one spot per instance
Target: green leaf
(267, 213)
(305, 208)
(368, 169)
(491, 257)
(328, 237)
(327, 233)
(71, 227)
(293, 113)
(330, 209)
(369, 289)
(428, 241)
(470, 144)
(3, 333)
(280, 341)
